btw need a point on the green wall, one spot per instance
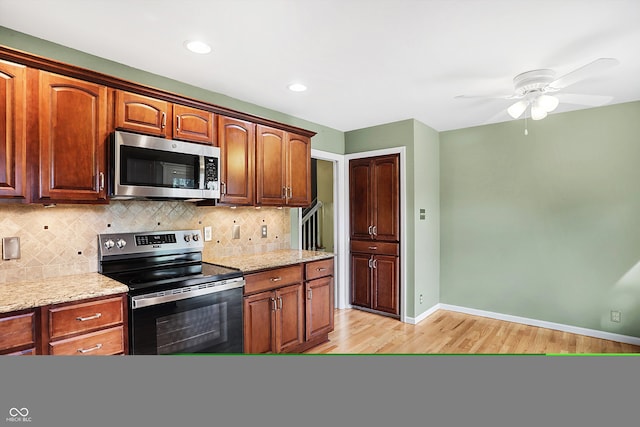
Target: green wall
(545, 226)
(422, 191)
(326, 139)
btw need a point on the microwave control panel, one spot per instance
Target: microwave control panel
(210, 173)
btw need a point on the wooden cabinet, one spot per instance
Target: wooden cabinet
(143, 114)
(237, 157)
(89, 327)
(319, 291)
(13, 154)
(375, 276)
(18, 332)
(73, 133)
(375, 234)
(374, 190)
(274, 311)
(284, 315)
(283, 168)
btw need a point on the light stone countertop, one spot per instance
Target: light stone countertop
(267, 260)
(23, 295)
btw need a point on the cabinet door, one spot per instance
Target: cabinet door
(289, 318)
(319, 307)
(259, 322)
(73, 132)
(13, 160)
(386, 208)
(386, 284)
(271, 157)
(142, 114)
(17, 332)
(298, 170)
(237, 154)
(192, 124)
(361, 280)
(360, 196)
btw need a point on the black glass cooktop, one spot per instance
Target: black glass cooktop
(174, 276)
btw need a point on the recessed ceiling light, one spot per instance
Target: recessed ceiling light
(297, 87)
(197, 46)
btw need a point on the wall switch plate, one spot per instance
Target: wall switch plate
(236, 231)
(207, 234)
(264, 231)
(616, 316)
(10, 248)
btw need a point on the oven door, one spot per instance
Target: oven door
(179, 323)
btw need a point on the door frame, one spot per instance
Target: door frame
(403, 222)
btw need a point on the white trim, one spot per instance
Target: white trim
(340, 222)
(424, 315)
(403, 216)
(543, 324)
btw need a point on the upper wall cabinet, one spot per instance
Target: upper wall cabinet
(72, 120)
(283, 168)
(143, 114)
(237, 157)
(13, 160)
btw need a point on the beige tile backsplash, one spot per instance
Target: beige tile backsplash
(62, 240)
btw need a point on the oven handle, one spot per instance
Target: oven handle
(156, 298)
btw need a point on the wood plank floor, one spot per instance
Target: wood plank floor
(449, 332)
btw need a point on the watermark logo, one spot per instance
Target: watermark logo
(18, 415)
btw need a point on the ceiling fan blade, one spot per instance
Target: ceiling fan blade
(510, 96)
(583, 72)
(583, 99)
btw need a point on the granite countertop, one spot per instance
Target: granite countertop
(22, 295)
(274, 259)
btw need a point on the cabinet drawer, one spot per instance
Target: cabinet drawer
(372, 247)
(76, 318)
(315, 269)
(272, 279)
(17, 331)
(106, 342)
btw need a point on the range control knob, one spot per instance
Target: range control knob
(196, 237)
(121, 243)
(187, 238)
(109, 244)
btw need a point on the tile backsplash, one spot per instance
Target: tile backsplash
(62, 240)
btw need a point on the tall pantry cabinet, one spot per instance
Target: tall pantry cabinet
(374, 188)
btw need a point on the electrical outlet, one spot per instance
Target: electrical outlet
(421, 299)
(264, 231)
(616, 316)
(207, 234)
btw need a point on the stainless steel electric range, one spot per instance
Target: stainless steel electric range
(178, 304)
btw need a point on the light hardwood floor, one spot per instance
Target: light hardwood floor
(449, 332)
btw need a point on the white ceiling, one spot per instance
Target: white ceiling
(366, 62)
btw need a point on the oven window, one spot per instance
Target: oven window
(157, 168)
(186, 330)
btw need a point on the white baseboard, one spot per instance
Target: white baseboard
(421, 317)
(534, 322)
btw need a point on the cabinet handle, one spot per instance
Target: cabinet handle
(84, 319)
(273, 302)
(375, 230)
(276, 279)
(164, 120)
(96, 347)
(371, 262)
(321, 269)
(223, 187)
(280, 303)
(101, 181)
(284, 192)
(309, 294)
(373, 248)
(375, 263)
(370, 232)
(290, 192)
(177, 122)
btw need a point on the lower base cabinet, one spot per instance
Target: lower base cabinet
(96, 326)
(286, 313)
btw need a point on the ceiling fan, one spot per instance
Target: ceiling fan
(537, 90)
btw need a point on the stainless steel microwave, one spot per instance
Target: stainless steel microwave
(149, 167)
